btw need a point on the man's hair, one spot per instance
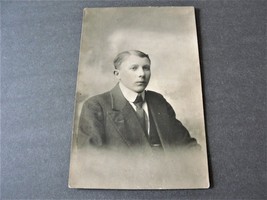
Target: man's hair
(125, 54)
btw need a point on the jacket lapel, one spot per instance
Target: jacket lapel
(125, 120)
(160, 117)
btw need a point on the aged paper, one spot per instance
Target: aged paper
(139, 120)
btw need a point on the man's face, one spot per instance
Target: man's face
(134, 73)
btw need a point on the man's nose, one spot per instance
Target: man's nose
(141, 72)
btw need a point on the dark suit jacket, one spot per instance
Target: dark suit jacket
(108, 120)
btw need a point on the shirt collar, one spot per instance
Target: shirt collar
(129, 94)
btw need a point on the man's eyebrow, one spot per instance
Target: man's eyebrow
(146, 65)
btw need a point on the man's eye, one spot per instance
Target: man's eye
(133, 68)
(146, 68)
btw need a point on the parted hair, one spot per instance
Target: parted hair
(125, 54)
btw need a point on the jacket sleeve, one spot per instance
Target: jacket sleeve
(179, 132)
(91, 129)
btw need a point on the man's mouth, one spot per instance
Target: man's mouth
(141, 82)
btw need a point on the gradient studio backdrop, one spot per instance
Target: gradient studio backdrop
(169, 38)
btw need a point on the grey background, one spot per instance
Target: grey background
(39, 57)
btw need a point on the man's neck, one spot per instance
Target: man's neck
(129, 94)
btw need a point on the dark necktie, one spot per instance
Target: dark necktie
(141, 114)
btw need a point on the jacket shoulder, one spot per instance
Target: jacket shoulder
(155, 95)
(98, 99)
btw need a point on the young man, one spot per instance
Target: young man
(128, 116)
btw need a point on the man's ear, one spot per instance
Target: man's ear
(116, 72)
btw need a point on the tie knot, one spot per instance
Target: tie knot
(139, 101)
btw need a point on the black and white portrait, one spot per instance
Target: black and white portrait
(139, 120)
(127, 116)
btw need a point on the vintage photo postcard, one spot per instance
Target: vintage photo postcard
(139, 120)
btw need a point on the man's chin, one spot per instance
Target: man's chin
(139, 89)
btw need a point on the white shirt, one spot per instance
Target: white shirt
(130, 96)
